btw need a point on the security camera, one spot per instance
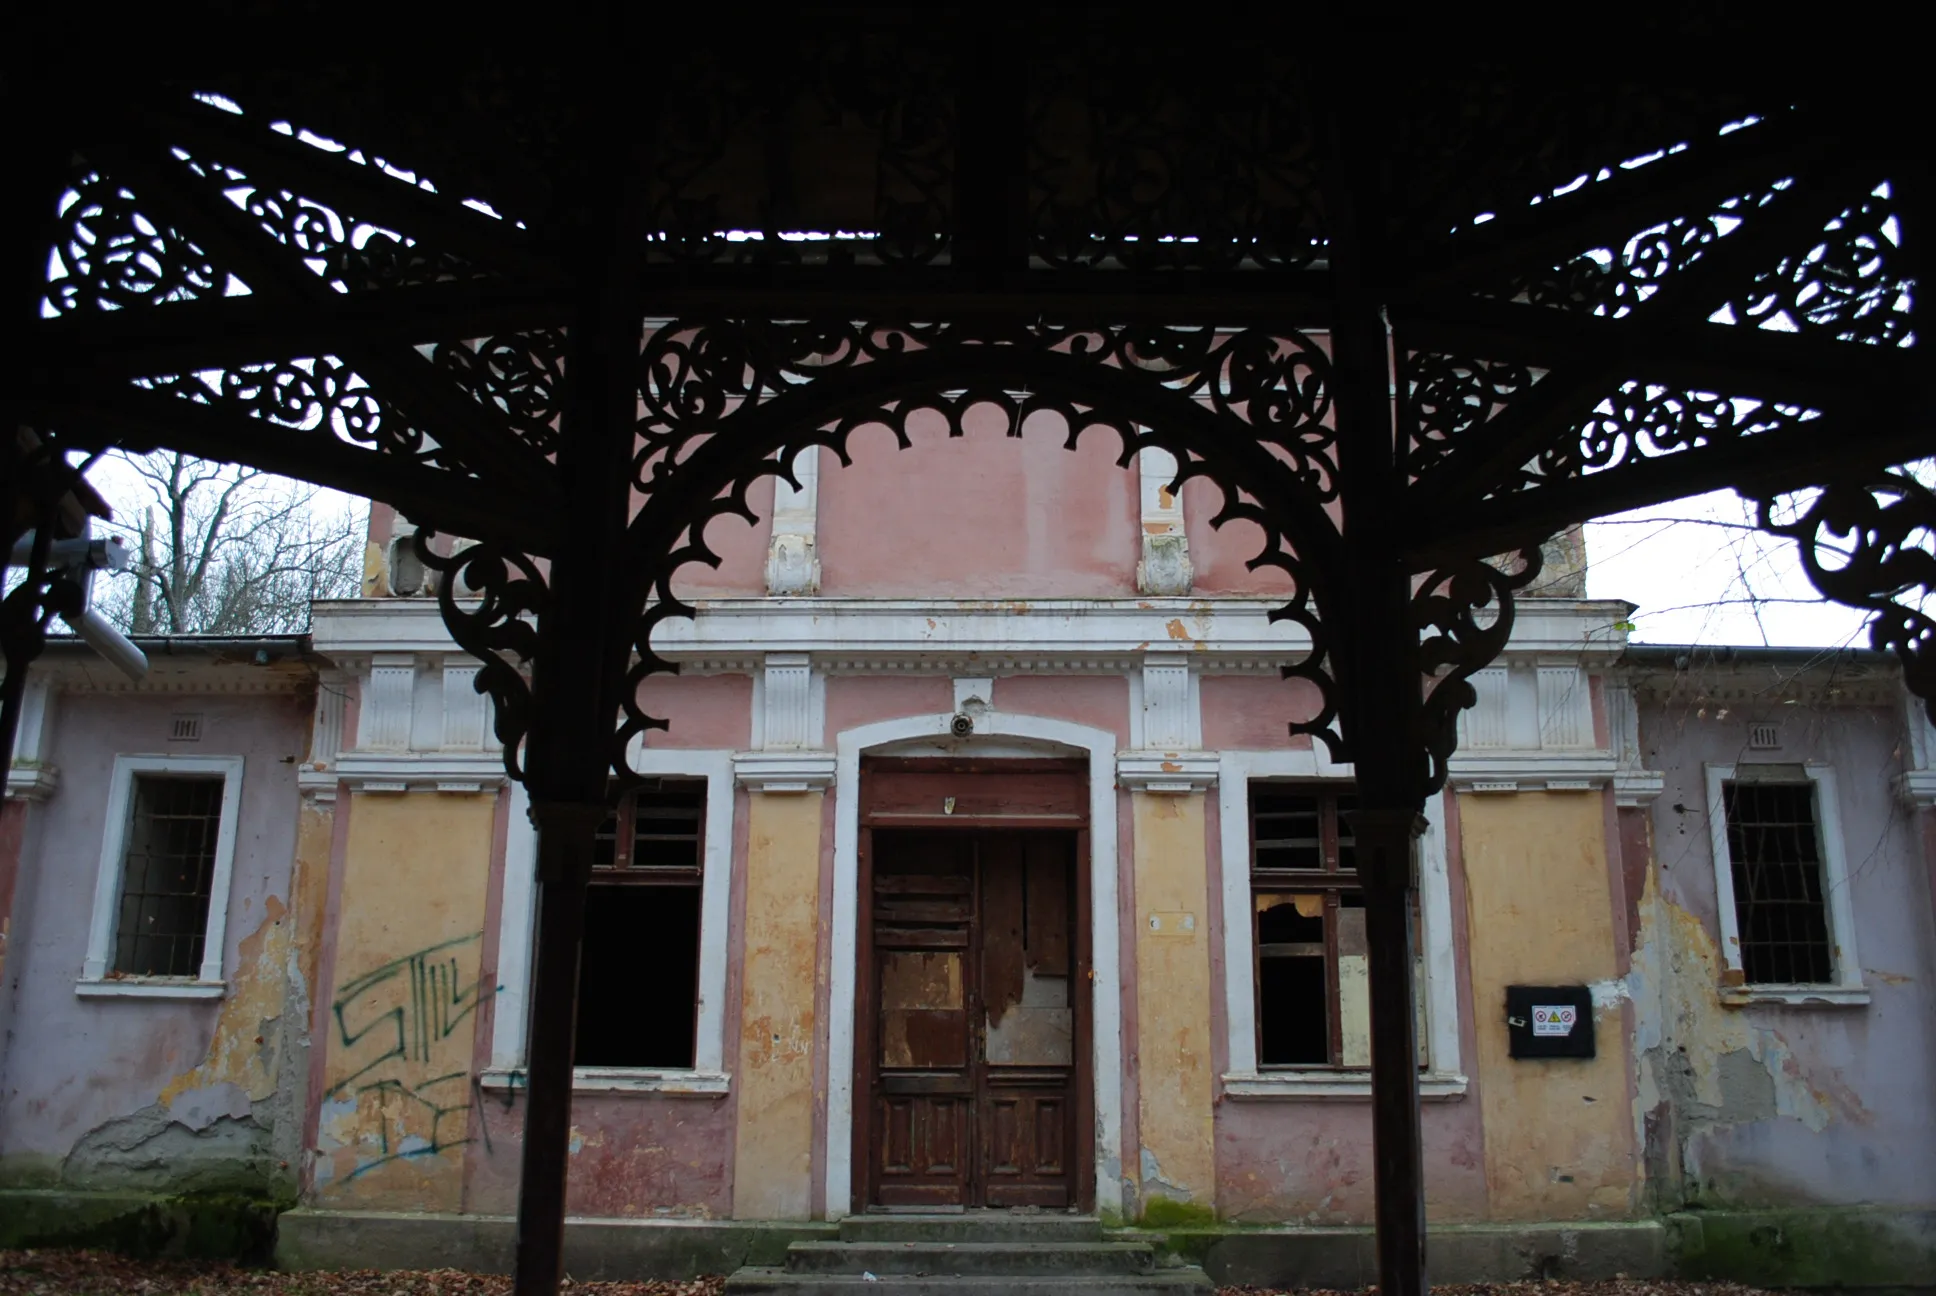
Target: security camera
(962, 725)
(74, 562)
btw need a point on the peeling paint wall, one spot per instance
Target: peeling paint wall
(632, 1156)
(773, 1153)
(1559, 1138)
(396, 1098)
(1177, 1157)
(1770, 1104)
(145, 1093)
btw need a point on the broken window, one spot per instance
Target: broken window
(168, 870)
(1308, 931)
(638, 978)
(1780, 905)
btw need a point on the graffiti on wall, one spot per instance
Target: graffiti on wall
(401, 1062)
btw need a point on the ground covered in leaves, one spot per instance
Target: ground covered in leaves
(99, 1273)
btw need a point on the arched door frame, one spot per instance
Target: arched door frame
(1105, 934)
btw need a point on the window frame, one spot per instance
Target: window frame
(209, 981)
(1441, 1078)
(1847, 987)
(510, 1039)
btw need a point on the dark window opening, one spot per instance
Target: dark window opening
(167, 872)
(1308, 925)
(638, 978)
(1781, 913)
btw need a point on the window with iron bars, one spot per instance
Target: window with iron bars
(168, 869)
(638, 980)
(1780, 904)
(1308, 931)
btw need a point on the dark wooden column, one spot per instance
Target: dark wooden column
(1374, 653)
(584, 648)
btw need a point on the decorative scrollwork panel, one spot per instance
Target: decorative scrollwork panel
(1870, 542)
(318, 394)
(1134, 173)
(349, 254)
(112, 256)
(490, 598)
(519, 376)
(1449, 396)
(1613, 280)
(1851, 282)
(1464, 615)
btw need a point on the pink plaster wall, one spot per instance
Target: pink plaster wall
(1098, 701)
(741, 546)
(632, 1155)
(709, 711)
(1254, 712)
(854, 700)
(1218, 554)
(1311, 1163)
(977, 516)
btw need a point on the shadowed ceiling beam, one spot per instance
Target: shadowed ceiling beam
(1789, 458)
(137, 420)
(235, 241)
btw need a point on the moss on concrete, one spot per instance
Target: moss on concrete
(1811, 1247)
(1163, 1213)
(202, 1226)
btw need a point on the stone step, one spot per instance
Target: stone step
(780, 1282)
(971, 1226)
(1015, 1259)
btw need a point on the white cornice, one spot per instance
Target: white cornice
(1637, 787)
(32, 782)
(1918, 788)
(1167, 772)
(1531, 771)
(455, 772)
(1010, 634)
(784, 771)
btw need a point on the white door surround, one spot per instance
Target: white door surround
(997, 735)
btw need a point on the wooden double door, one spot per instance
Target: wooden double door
(974, 986)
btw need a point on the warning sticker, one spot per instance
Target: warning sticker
(1554, 1019)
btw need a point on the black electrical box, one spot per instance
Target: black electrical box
(1550, 1021)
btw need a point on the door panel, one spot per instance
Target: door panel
(971, 1056)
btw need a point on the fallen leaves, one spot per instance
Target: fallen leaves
(102, 1273)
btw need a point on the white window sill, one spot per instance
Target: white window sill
(1796, 996)
(625, 1080)
(150, 988)
(1332, 1086)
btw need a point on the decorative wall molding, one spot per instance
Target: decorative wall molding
(1163, 567)
(786, 717)
(1531, 729)
(316, 777)
(1916, 785)
(784, 771)
(29, 775)
(1173, 773)
(456, 773)
(792, 564)
(1633, 784)
(1167, 704)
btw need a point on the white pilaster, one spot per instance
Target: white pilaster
(1163, 568)
(29, 775)
(388, 703)
(792, 565)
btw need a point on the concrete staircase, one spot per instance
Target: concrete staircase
(935, 1255)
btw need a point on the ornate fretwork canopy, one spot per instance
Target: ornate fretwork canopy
(1408, 324)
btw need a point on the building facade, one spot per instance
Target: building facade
(976, 868)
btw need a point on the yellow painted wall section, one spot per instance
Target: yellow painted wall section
(1558, 1131)
(403, 1008)
(773, 1156)
(1172, 956)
